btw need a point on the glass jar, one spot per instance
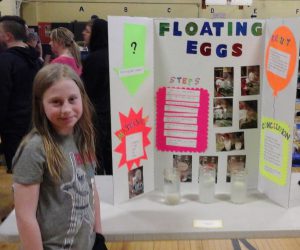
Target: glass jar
(171, 186)
(238, 189)
(207, 176)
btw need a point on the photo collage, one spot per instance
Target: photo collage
(183, 164)
(223, 110)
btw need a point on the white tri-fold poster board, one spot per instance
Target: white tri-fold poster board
(195, 90)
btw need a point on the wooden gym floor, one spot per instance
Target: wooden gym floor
(6, 205)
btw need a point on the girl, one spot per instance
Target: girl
(63, 45)
(56, 201)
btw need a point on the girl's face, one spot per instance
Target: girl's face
(63, 105)
(33, 43)
(87, 34)
(54, 46)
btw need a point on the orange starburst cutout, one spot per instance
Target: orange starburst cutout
(134, 138)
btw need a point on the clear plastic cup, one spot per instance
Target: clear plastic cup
(207, 176)
(238, 186)
(171, 186)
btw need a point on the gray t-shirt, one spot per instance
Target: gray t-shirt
(65, 211)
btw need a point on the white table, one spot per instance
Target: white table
(148, 218)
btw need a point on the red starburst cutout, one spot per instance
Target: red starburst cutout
(134, 138)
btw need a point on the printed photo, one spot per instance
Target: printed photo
(235, 163)
(183, 163)
(298, 89)
(296, 146)
(136, 182)
(297, 116)
(223, 81)
(298, 84)
(230, 141)
(250, 80)
(297, 106)
(210, 162)
(222, 112)
(296, 136)
(248, 114)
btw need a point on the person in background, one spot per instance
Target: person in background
(34, 41)
(18, 67)
(86, 33)
(63, 45)
(2, 47)
(53, 169)
(95, 74)
(93, 17)
(48, 55)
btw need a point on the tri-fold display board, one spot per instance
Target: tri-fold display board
(188, 92)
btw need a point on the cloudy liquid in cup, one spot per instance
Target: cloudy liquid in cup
(238, 186)
(207, 184)
(171, 186)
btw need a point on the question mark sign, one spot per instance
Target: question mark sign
(133, 44)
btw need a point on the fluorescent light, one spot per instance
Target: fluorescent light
(216, 2)
(240, 2)
(228, 2)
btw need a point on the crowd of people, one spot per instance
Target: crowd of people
(55, 132)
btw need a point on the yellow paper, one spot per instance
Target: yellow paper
(274, 150)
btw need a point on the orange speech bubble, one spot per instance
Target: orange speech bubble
(281, 58)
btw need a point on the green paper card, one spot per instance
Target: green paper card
(133, 72)
(134, 45)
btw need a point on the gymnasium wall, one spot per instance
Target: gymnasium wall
(65, 11)
(7, 7)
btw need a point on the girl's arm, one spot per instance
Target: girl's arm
(97, 227)
(26, 200)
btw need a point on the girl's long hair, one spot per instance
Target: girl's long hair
(83, 130)
(65, 37)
